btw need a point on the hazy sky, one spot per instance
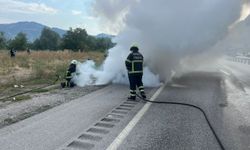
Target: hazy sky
(54, 13)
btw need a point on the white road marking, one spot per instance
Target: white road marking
(223, 71)
(178, 86)
(125, 132)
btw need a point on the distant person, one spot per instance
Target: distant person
(28, 51)
(71, 72)
(134, 65)
(12, 53)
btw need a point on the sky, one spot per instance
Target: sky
(87, 14)
(53, 13)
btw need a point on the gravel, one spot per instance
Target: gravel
(12, 112)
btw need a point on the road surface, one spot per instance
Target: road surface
(105, 120)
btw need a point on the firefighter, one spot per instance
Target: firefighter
(134, 65)
(12, 53)
(71, 72)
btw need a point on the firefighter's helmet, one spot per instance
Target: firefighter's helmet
(74, 62)
(134, 47)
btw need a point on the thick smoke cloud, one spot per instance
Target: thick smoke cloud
(112, 13)
(166, 31)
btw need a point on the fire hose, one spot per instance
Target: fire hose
(193, 106)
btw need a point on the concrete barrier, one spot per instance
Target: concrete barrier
(240, 59)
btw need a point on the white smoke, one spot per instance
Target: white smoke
(166, 31)
(238, 38)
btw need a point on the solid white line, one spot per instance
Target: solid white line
(125, 132)
(224, 72)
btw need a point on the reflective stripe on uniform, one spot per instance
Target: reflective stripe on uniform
(128, 61)
(132, 91)
(137, 61)
(141, 87)
(131, 72)
(133, 66)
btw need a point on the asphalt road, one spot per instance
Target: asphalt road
(96, 120)
(55, 127)
(239, 70)
(176, 127)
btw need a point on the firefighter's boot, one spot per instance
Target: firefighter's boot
(63, 84)
(143, 95)
(132, 95)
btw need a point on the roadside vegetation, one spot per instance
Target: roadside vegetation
(74, 39)
(38, 68)
(43, 61)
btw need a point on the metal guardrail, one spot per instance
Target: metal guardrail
(240, 59)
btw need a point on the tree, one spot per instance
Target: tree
(36, 45)
(91, 43)
(2, 41)
(75, 39)
(104, 44)
(19, 43)
(48, 40)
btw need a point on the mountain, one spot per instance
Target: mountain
(104, 35)
(31, 29)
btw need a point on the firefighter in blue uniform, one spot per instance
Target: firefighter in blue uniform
(134, 65)
(71, 72)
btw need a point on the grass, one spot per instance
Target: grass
(40, 67)
(8, 121)
(43, 64)
(21, 98)
(40, 90)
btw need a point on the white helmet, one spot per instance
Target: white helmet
(74, 62)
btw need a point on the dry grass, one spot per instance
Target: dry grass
(39, 66)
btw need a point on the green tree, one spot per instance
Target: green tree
(91, 40)
(75, 39)
(19, 43)
(103, 44)
(78, 39)
(3, 41)
(48, 40)
(36, 45)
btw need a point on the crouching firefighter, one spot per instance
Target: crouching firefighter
(71, 72)
(134, 65)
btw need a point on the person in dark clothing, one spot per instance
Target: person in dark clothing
(12, 53)
(69, 75)
(28, 51)
(134, 65)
